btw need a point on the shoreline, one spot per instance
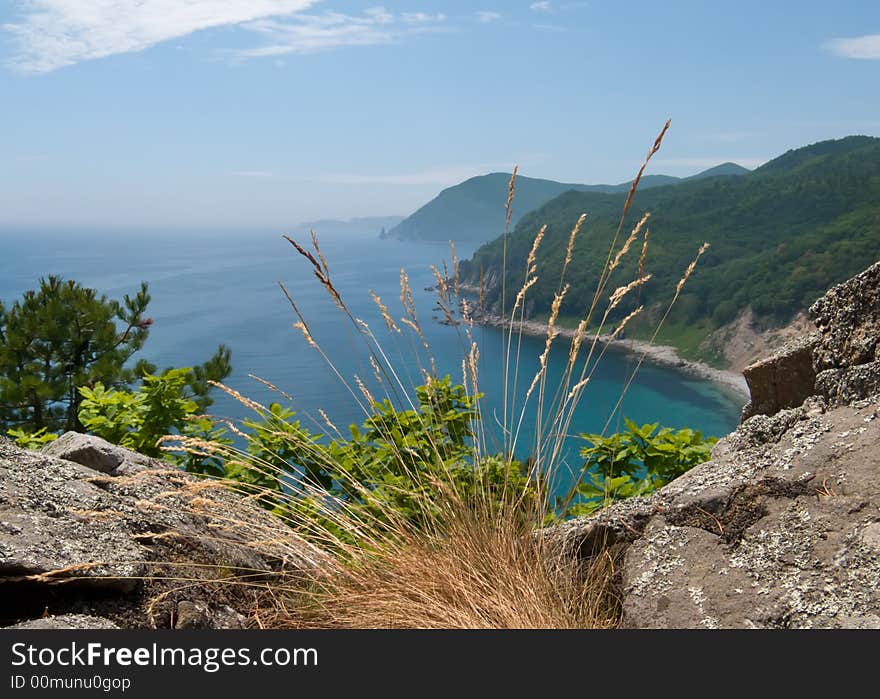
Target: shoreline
(660, 355)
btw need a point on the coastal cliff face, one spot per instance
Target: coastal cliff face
(743, 342)
(782, 527)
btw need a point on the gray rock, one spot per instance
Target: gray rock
(784, 380)
(784, 533)
(57, 524)
(98, 454)
(848, 317)
(67, 621)
(781, 528)
(849, 384)
(77, 538)
(839, 362)
(199, 615)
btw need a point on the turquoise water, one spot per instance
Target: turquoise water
(207, 289)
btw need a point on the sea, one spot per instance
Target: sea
(210, 288)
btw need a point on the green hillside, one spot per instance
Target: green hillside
(723, 169)
(780, 236)
(474, 209)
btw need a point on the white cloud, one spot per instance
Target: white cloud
(329, 30)
(865, 47)
(543, 6)
(488, 16)
(437, 176)
(421, 17)
(52, 34)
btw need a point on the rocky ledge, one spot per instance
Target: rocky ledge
(96, 536)
(782, 527)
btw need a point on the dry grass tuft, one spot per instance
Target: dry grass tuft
(479, 572)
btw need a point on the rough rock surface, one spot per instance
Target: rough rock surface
(783, 380)
(782, 527)
(114, 535)
(67, 621)
(848, 317)
(99, 454)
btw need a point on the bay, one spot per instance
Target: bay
(209, 288)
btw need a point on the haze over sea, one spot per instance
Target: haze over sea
(212, 288)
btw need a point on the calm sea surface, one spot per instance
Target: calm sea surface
(207, 289)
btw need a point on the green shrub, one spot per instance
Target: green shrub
(396, 462)
(724, 312)
(138, 420)
(32, 440)
(634, 462)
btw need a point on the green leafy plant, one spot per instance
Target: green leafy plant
(634, 462)
(279, 453)
(32, 440)
(396, 462)
(138, 420)
(402, 457)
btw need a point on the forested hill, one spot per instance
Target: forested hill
(780, 236)
(474, 210)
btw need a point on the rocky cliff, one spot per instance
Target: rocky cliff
(782, 527)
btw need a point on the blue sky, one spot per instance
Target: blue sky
(265, 113)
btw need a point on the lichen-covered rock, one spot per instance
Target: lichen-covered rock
(848, 317)
(781, 528)
(783, 538)
(848, 384)
(117, 537)
(840, 361)
(56, 523)
(847, 357)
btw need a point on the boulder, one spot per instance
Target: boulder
(98, 454)
(56, 523)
